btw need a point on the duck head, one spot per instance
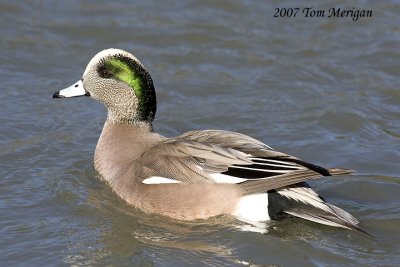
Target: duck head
(117, 79)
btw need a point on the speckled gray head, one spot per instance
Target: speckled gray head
(117, 79)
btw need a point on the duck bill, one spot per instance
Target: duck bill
(74, 90)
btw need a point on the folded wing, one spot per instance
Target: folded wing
(220, 156)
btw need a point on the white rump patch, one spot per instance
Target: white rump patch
(252, 208)
(159, 180)
(227, 179)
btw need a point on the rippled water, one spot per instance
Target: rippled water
(324, 89)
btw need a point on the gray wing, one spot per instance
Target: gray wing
(204, 156)
(185, 160)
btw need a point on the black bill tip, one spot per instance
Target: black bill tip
(57, 95)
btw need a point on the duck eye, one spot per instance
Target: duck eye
(104, 72)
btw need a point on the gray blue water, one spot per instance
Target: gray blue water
(324, 89)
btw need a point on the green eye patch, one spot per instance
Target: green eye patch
(132, 73)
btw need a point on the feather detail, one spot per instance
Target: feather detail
(303, 202)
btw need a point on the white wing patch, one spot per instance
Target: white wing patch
(252, 208)
(280, 162)
(277, 163)
(227, 179)
(159, 180)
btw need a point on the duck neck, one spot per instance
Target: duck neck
(128, 116)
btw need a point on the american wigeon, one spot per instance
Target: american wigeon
(199, 174)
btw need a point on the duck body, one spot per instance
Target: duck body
(199, 174)
(119, 154)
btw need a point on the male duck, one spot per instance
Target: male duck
(199, 174)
